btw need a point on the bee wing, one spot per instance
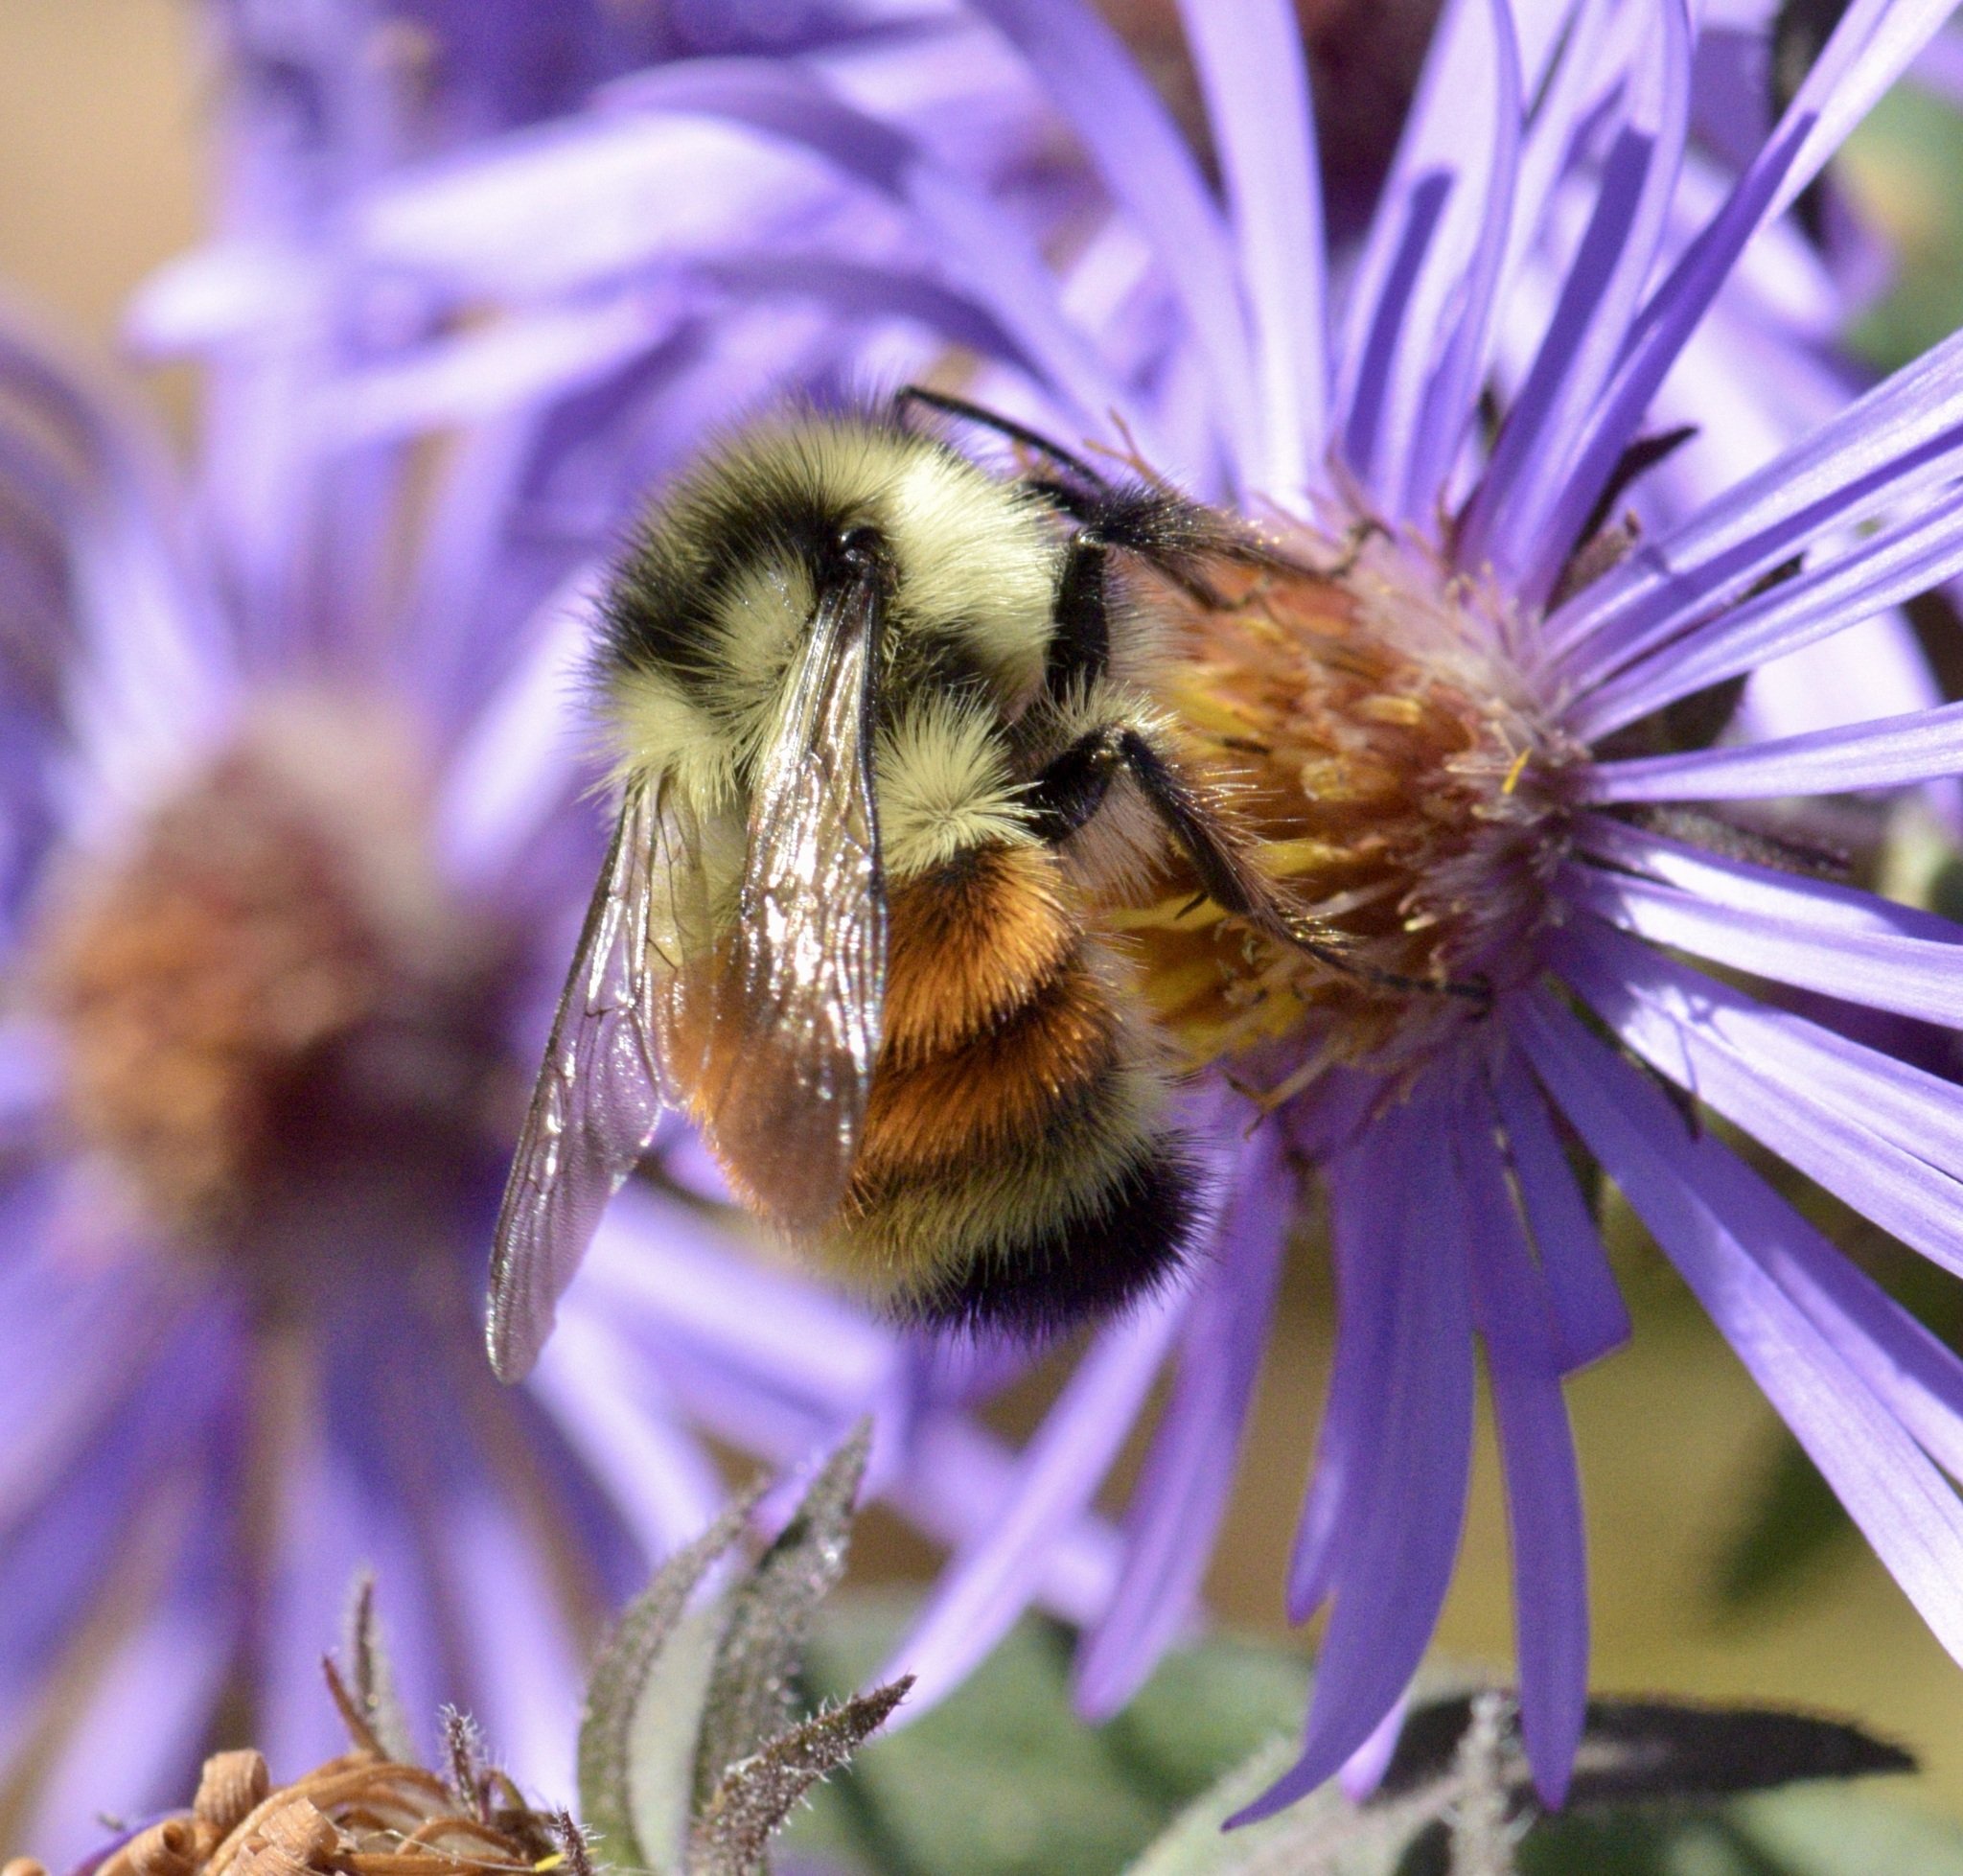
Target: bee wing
(798, 1000)
(601, 1088)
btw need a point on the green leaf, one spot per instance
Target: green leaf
(1791, 1527)
(1003, 1779)
(1899, 165)
(767, 1620)
(757, 1793)
(642, 1683)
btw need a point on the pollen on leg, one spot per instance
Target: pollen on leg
(1403, 785)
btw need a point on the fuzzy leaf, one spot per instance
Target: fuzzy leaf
(767, 1617)
(625, 1677)
(757, 1793)
(1004, 1779)
(369, 1674)
(1323, 1834)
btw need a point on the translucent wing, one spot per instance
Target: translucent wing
(798, 995)
(601, 1088)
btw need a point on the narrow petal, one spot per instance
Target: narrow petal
(1819, 903)
(1505, 523)
(982, 1590)
(137, 1720)
(1251, 68)
(1889, 754)
(1655, 341)
(1543, 1486)
(1873, 44)
(1176, 1508)
(1869, 47)
(959, 1478)
(1664, 1014)
(1909, 1513)
(986, 249)
(526, 1685)
(1920, 1111)
(1145, 163)
(658, 1260)
(1365, 1299)
(1881, 570)
(604, 1393)
(1913, 977)
(1904, 436)
(1420, 306)
(1589, 1315)
(1404, 1516)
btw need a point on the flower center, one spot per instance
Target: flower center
(266, 990)
(1403, 783)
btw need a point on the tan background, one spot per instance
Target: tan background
(101, 115)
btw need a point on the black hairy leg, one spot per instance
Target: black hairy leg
(1073, 785)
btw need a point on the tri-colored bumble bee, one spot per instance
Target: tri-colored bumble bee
(890, 742)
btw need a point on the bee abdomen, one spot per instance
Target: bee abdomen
(1038, 1277)
(1015, 1169)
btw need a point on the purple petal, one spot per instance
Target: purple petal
(1873, 44)
(1590, 1318)
(527, 1686)
(1814, 902)
(1884, 569)
(1175, 1510)
(1249, 59)
(1145, 163)
(136, 1724)
(518, 761)
(339, 1517)
(983, 1590)
(1365, 1285)
(1886, 754)
(1687, 1025)
(1657, 340)
(1421, 303)
(604, 1395)
(1413, 1454)
(590, 200)
(1543, 1487)
(1363, 1771)
(488, 371)
(958, 1482)
(1899, 438)
(1505, 523)
(658, 1261)
(1913, 977)
(983, 248)
(1912, 1517)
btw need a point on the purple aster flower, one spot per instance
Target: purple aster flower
(1457, 740)
(286, 871)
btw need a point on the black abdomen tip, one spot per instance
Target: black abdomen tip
(1138, 1237)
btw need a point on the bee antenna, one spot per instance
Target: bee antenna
(974, 414)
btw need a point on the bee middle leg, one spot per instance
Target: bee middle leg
(1074, 784)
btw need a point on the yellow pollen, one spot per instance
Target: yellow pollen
(1401, 784)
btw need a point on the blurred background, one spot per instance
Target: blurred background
(1717, 1571)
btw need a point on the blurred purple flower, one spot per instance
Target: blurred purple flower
(290, 849)
(1547, 237)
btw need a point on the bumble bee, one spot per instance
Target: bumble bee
(884, 729)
